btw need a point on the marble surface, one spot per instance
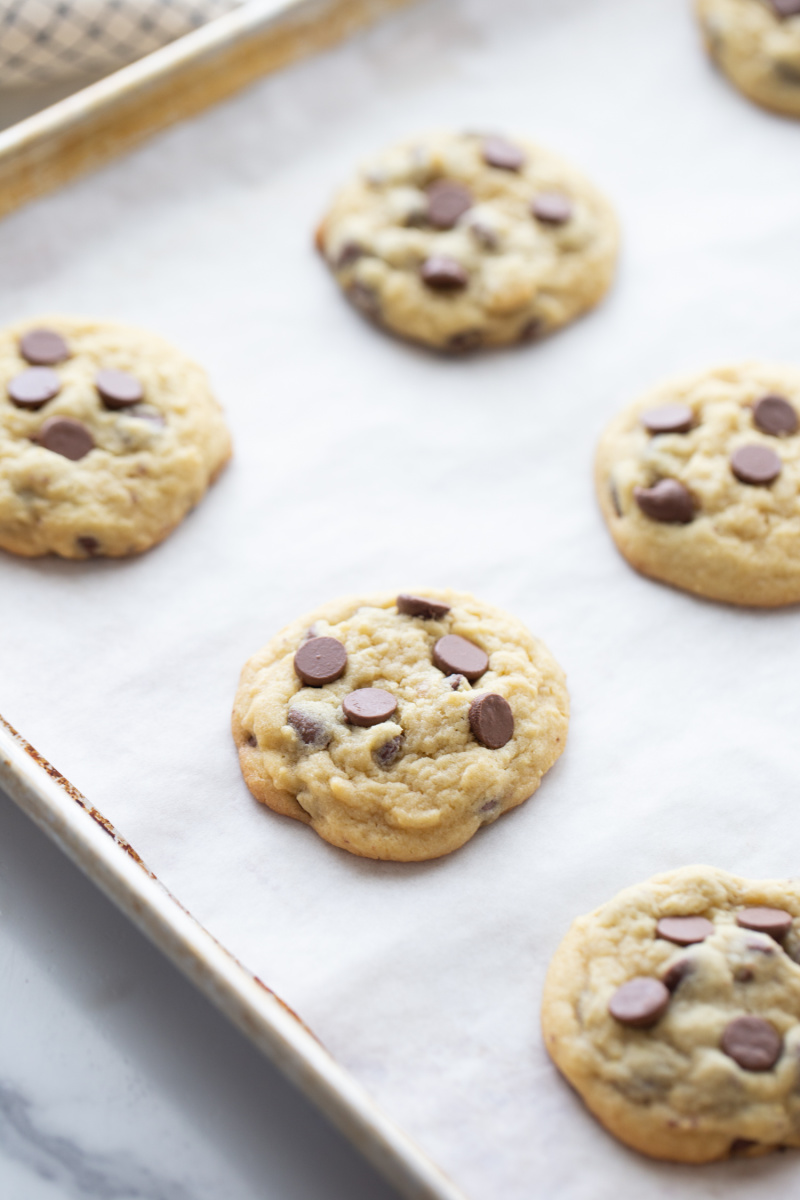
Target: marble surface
(118, 1081)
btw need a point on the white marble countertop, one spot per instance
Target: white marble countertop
(118, 1080)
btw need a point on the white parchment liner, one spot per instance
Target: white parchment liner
(363, 464)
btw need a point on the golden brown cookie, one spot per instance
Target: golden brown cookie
(108, 437)
(699, 482)
(465, 240)
(397, 726)
(757, 45)
(674, 1011)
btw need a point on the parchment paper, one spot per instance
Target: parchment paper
(363, 464)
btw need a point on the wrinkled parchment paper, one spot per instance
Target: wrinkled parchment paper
(364, 464)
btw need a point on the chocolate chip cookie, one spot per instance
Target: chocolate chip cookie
(699, 482)
(757, 45)
(108, 437)
(466, 240)
(674, 1010)
(397, 726)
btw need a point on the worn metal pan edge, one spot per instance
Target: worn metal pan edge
(95, 846)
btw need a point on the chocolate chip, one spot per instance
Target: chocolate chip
(497, 152)
(320, 660)
(669, 418)
(349, 253)
(742, 1145)
(676, 974)
(752, 1043)
(155, 418)
(785, 8)
(369, 706)
(387, 754)
(443, 274)
(64, 436)
(251, 740)
(33, 388)
(552, 208)
(639, 1002)
(743, 975)
(310, 731)
(118, 389)
(455, 681)
(774, 921)
(773, 414)
(487, 237)
(365, 298)
(757, 465)
(615, 498)
(43, 347)
(532, 330)
(89, 544)
(420, 606)
(465, 342)
(456, 656)
(767, 948)
(447, 201)
(684, 931)
(668, 501)
(491, 721)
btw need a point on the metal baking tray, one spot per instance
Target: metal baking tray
(362, 464)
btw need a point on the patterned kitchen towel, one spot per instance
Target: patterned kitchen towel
(44, 41)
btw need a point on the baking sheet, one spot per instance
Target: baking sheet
(364, 464)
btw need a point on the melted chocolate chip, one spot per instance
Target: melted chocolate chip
(420, 606)
(639, 1002)
(497, 152)
(310, 731)
(118, 389)
(675, 975)
(320, 660)
(387, 754)
(456, 656)
(455, 681)
(532, 330)
(743, 975)
(32, 389)
(251, 740)
(756, 465)
(64, 436)
(774, 921)
(364, 298)
(369, 706)
(774, 415)
(668, 418)
(752, 1043)
(443, 274)
(491, 721)
(668, 501)
(88, 544)
(447, 201)
(684, 931)
(43, 347)
(465, 342)
(785, 8)
(349, 253)
(552, 208)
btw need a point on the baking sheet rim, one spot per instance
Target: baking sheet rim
(92, 843)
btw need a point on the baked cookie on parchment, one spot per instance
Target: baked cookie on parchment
(674, 1011)
(108, 437)
(463, 240)
(396, 726)
(756, 43)
(699, 482)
